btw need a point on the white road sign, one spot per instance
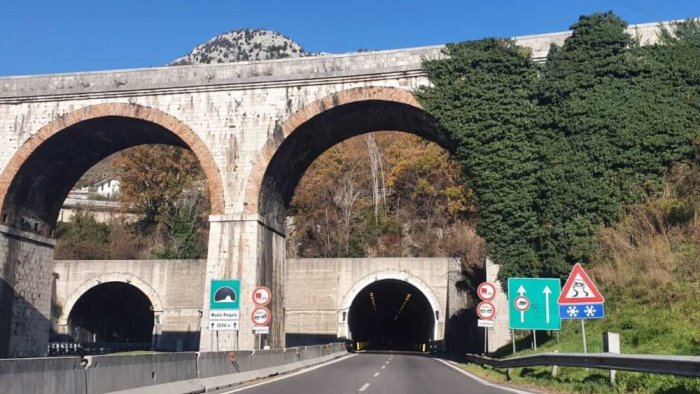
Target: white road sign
(261, 330)
(231, 325)
(485, 323)
(224, 314)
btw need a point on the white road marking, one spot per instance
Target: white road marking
(291, 374)
(383, 366)
(376, 374)
(364, 387)
(482, 381)
(386, 363)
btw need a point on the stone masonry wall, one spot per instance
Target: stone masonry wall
(25, 292)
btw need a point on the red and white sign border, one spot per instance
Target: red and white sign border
(492, 307)
(266, 322)
(485, 284)
(269, 295)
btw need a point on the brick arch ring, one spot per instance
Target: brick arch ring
(262, 161)
(119, 277)
(167, 121)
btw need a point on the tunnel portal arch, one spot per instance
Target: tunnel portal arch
(384, 276)
(115, 277)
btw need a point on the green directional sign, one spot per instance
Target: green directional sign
(225, 294)
(532, 303)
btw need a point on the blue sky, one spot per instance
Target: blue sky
(38, 37)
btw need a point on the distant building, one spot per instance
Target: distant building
(107, 188)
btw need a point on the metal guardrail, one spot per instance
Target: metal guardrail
(671, 365)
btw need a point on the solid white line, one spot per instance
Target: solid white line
(364, 387)
(376, 374)
(482, 381)
(291, 374)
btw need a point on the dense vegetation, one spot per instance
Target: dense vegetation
(165, 208)
(381, 194)
(557, 151)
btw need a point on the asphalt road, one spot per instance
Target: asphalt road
(374, 373)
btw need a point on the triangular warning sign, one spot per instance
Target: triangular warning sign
(579, 289)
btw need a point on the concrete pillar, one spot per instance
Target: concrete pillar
(245, 248)
(26, 262)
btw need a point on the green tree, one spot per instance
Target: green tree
(83, 238)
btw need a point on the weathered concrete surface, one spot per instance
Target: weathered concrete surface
(170, 373)
(254, 127)
(174, 288)
(112, 373)
(318, 291)
(42, 376)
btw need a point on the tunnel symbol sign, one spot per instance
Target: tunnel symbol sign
(224, 294)
(486, 310)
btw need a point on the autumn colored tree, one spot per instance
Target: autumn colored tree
(381, 194)
(166, 187)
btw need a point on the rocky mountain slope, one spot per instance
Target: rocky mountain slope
(243, 45)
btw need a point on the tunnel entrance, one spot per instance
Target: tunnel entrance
(113, 312)
(391, 314)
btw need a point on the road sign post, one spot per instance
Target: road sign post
(486, 310)
(580, 299)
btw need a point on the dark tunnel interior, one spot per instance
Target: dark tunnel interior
(391, 314)
(112, 312)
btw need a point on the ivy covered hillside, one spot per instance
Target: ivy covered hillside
(555, 152)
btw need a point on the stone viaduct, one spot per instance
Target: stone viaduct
(255, 127)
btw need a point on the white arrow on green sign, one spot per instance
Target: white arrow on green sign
(533, 303)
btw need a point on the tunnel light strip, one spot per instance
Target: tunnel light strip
(405, 301)
(374, 304)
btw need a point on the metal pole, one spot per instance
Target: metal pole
(486, 340)
(583, 333)
(512, 333)
(534, 338)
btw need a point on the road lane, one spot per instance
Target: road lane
(377, 373)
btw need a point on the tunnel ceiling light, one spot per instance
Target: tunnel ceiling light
(374, 304)
(403, 305)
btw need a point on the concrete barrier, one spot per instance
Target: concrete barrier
(221, 363)
(264, 363)
(163, 373)
(57, 375)
(113, 373)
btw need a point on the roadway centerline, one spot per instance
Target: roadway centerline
(364, 387)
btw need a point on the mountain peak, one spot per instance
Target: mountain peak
(243, 45)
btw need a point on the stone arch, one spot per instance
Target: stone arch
(121, 277)
(402, 276)
(164, 127)
(376, 108)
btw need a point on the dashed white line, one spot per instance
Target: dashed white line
(364, 387)
(383, 366)
(376, 374)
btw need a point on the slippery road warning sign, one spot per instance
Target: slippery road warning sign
(579, 289)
